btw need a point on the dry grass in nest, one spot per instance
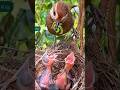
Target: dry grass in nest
(63, 49)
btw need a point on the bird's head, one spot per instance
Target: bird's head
(59, 11)
(48, 60)
(69, 61)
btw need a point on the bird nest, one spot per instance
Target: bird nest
(106, 74)
(62, 49)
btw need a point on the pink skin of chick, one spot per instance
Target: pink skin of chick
(61, 80)
(46, 77)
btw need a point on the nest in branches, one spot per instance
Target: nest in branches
(62, 49)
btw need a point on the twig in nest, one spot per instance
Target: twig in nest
(37, 86)
(79, 80)
(36, 62)
(56, 52)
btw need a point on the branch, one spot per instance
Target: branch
(81, 25)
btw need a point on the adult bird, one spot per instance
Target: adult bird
(59, 20)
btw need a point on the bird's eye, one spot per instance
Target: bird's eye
(54, 13)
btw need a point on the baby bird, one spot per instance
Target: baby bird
(59, 20)
(45, 78)
(69, 62)
(62, 78)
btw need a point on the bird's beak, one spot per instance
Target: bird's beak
(57, 23)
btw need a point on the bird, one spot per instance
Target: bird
(48, 60)
(44, 80)
(69, 62)
(25, 79)
(59, 20)
(62, 78)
